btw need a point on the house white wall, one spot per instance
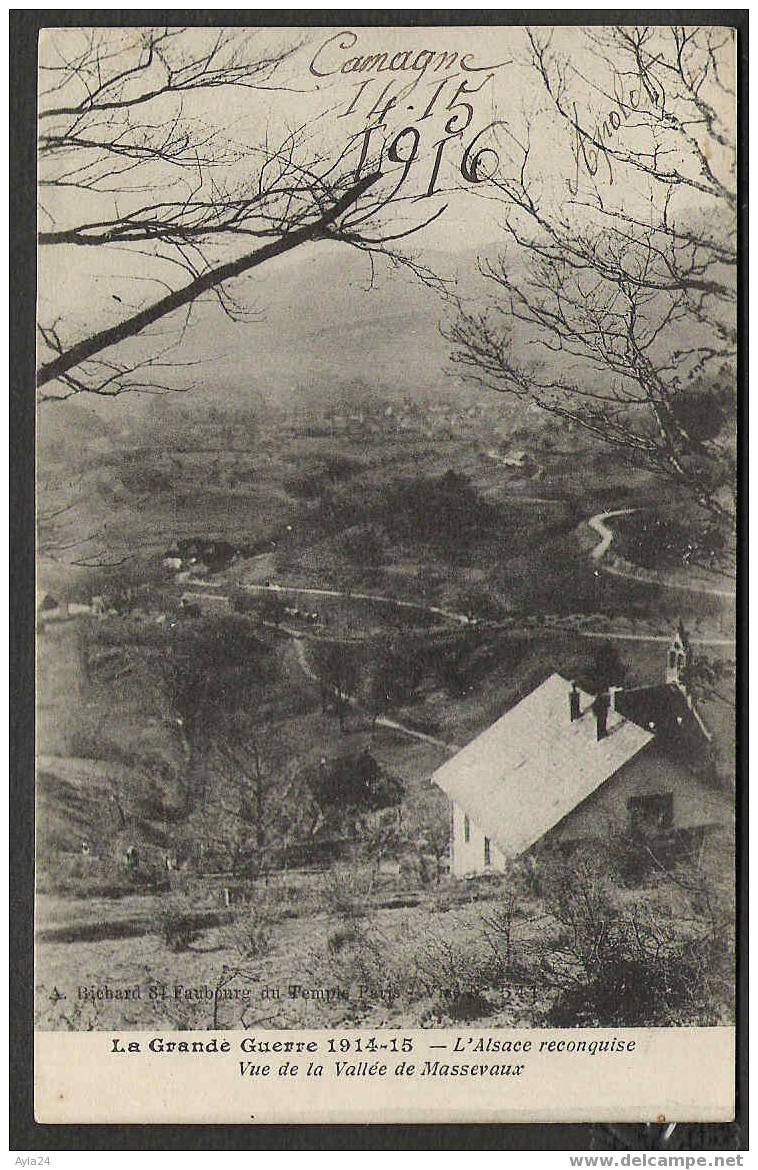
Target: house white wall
(695, 802)
(467, 856)
(606, 812)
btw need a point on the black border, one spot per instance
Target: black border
(25, 1132)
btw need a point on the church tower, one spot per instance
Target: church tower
(677, 655)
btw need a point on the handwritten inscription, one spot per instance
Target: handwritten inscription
(595, 146)
(413, 112)
(329, 59)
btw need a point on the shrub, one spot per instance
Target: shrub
(359, 956)
(450, 980)
(498, 930)
(341, 937)
(345, 893)
(288, 898)
(468, 1005)
(75, 876)
(627, 990)
(618, 963)
(456, 974)
(250, 935)
(178, 929)
(354, 782)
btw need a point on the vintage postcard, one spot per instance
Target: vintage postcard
(386, 474)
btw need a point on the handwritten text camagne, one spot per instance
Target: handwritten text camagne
(329, 59)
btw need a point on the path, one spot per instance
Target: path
(381, 721)
(598, 524)
(451, 615)
(300, 637)
(651, 637)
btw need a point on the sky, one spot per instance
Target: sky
(442, 89)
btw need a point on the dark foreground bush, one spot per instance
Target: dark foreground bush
(345, 893)
(341, 937)
(467, 1005)
(660, 957)
(178, 929)
(632, 991)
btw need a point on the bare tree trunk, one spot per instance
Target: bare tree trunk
(259, 798)
(117, 805)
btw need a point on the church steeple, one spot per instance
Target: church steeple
(677, 655)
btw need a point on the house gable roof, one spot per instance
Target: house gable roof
(676, 723)
(533, 766)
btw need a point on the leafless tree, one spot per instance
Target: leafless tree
(619, 263)
(239, 791)
(61, 540)
(711, 679)
(339, 673)
(138, 184)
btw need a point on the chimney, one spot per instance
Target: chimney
(612, 692)
(601, 706)
(574, 702)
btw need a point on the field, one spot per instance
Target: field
(193, 823)
(347, 947)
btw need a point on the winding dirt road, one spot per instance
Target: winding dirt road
(299, 638)
(450, 614)
(598, 524)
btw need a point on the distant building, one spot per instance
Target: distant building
(569, 765)
(50, 609)
(78, 607)
(516, 459)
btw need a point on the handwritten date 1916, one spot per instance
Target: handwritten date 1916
(478, 161)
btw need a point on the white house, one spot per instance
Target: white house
(574, 765)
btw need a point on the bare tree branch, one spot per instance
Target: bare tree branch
(624, 291)
(133, 325)
(123, 116)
